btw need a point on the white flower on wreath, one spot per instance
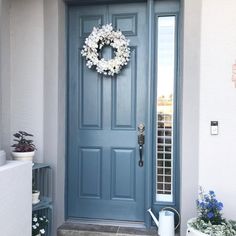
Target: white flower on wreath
(100, 37)
(42, 231)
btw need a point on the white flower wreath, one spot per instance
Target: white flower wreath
(100, 37)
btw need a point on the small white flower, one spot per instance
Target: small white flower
(35, 219)
(42, 231)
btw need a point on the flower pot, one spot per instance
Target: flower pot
(193, 232)
(35, 197)
(23, 156)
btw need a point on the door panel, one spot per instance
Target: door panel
(90, 173)
(123, 174)
(104, 179)
(90, 107)
(124, 107)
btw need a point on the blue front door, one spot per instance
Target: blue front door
(103, 175)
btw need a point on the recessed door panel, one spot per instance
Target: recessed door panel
(90, 164)
(123, 174)
(88, 22)
(124, 107)
(90, 97)
(127, 23)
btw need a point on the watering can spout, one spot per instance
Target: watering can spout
(153, 217)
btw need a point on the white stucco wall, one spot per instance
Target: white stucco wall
(27, 69)
(190, 75)
(55, 101)
(33, 86)
(5, 92)
(217, 156)
(16, 198)
(0, 69)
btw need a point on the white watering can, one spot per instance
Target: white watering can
(166, 225)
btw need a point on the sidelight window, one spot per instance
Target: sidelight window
(165, 104)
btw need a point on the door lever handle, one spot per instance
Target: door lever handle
(141, 141)
(140, 163)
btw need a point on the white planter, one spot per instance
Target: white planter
(35, 197)
(23, 156)
(193, 232)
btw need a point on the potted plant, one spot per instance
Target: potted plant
(24, 149)
(210, 220)
(39, 224)
(35, 194)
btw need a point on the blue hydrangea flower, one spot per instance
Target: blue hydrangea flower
(219, 206)
(202, 204)
(212, 193)
(209, 208)
(210, 215)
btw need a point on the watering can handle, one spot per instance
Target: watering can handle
(173, 209)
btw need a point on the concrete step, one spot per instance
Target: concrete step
(78, 229)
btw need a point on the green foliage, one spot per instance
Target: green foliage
(226, 228)
(39, 224)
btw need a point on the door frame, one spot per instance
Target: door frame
(158, 205)
(148, 183)
(149, 146)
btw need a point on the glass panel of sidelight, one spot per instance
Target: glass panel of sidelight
(165, 107)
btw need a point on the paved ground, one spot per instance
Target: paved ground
(72, 229)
